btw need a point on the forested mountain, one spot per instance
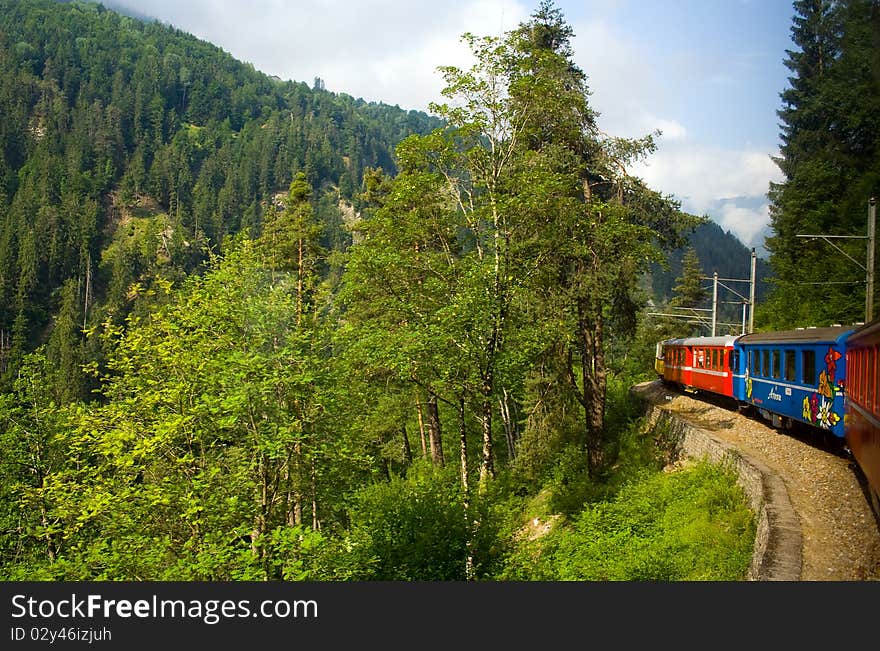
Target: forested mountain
(718, 251)
(131, 148)
(830, 160)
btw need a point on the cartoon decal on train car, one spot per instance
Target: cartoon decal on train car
(819, 407)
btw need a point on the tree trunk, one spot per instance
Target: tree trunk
(470, 526)
(510, 428)
(487, 465)
(434, 432)
(421, 427)
(51, 550)
(593, 377)
(314, 480)
(462, 446)
(258, 543)
(407, 450)
(294, 495)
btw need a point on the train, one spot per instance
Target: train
(823, 378)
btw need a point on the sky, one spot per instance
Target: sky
(706, 73)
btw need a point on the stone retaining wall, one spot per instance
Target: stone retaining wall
(778, 540)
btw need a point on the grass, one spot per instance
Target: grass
(691, 525)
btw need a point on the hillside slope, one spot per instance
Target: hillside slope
(719, 251)
(96, 103)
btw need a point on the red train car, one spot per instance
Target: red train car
(673, 362)
(862, 410)
(699, 363)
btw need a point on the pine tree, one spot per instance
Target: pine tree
(603, 224)
(689, 290)
(830, 135)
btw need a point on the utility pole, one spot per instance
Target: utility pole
(714, 301)
(869, 271)
(752, 292)
(691, 313)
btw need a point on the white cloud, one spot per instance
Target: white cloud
(381, 50)
(670, 129)
(701, 175)
(637, 93)
(748, 224)
(730, 185)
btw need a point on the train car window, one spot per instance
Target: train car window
(857, 376)
(790, 375)
(753, 361)
(808, 367)
(852, 367)
(733, 360)
(715, 358)
(862, 375)
(774, 363)
(876, 406)
(869, 377)
(765, 363)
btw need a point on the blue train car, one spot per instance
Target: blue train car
(794, 375)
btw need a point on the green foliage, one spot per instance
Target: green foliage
(830, 135)
(629, 452)
(419, 528)
(684, 526)
(211, 439)
(689, 291)
(104, 113)
(415, 528)
(718, 251)
(32, 452)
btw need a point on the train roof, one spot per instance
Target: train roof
(866, 331)
(830, 334)
(726, 340)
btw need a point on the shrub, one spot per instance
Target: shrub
(687, 526)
